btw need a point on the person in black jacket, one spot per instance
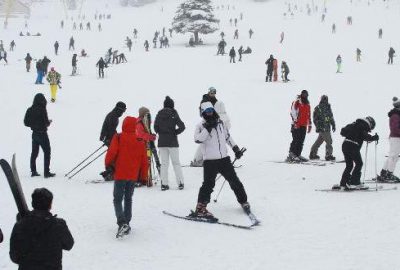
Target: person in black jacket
(232, 55)
(110, 123)
(270, 68)
(101, 64)
(391, 55)
(168, 125)
(36, 118)
(56, 46)
(38, 239)
(74, 61)
(355, 134)
(45, 64)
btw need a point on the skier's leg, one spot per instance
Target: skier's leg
(174, 152)
(45, 145)
(34, 153)
(228, 172)
(164, 153)
(292, 148)
(328, 140)
(119, 187)
(53, 90)
(128, 194)
(390, 164)
(356, 174)
(198, 157)
(346, 149)
(316, 145)
(210, 171)
(300, 140)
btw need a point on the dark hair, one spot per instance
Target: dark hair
(42, 199)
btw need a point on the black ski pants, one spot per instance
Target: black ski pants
(101, 72)
(269, 75)
(40, 139)
(298, 137)
(390, 61)
(352, 156)
(210, 170)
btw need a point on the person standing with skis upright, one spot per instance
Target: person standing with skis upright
(214, 137)
(394, 142)
(301, 124)
(355, 134)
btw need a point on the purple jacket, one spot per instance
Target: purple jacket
(394, 122)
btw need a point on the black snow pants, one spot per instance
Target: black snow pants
(40, 139)
(223, 166)
(352, 156)
(298, 137)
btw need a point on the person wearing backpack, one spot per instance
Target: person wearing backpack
(36, 118)
(355, 134)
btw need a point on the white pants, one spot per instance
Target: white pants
(394, 152)
(166, 153)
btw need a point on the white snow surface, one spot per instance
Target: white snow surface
(301, 228)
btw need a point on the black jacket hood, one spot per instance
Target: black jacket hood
(39, 100)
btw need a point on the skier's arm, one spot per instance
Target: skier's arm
(112, 152)
(67, 239)
(228, 138)
(294, 113)
(180, 124)
(142, 134)
(16, 241)
(156, 125)
(201, 134)
(332, 120)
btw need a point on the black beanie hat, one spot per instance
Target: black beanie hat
(121, 106)
(42, 199)
(168, 102)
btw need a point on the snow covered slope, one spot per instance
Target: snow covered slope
(302, 229)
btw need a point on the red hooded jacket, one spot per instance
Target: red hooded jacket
(301, 115)
(124, 153)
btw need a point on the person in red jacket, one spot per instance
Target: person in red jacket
(124, 159)
(301, 123)
(144, 137)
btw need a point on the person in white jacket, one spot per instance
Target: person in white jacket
(219, 107)
(213, 137)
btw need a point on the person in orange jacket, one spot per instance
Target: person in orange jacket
(145, 137)
(124, 159)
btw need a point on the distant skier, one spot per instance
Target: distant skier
(129, 43)
(333, 28)
(285, 71)
(251, 32)
(282, 37)
(339, 64)
(358, 53)
(3, 56)
(99, 27)
(62, 24)
(36, 118)
(387, 172)
(240, 51)
(232, 55)
(54, 78)
(222, 34)
(101, 64)
(301, 124)
(380, 33)
(214, 137)
(40, 72)
(45, 64)
(391, 55)
(12, 45)
(72, 44)
(88, 26)
(235, 21)
(74, 64)
(146, 45)
(28, 60)
(168, 126)
(221, 47)
(323, 121)
(135, 32)
(275, 69)
(110, 123)
(355, 134)
(123, 160)
(56, 46)
(236, 34)
(80, 26)
(270, 68)
(39, 238)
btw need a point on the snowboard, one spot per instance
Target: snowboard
(11, 174)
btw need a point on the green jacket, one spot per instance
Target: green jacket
(53, 77)
(323, 118)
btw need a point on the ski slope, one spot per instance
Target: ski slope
(301, 228)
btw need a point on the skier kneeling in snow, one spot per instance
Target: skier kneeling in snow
(355, 134)
(211, 134)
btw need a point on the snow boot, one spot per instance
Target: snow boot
(196, 163)
(202, 212)
(123, 229)
(164, 187)
(302, 159)
(314, 156)
(181, 186)
(292, 158)
(383, 176)
(35, 174)
(391, 177)
(330, 158)
(49, 174)
(246, 207)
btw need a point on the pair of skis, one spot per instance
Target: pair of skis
(336, 188)
(253, 219)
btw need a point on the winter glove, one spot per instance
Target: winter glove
(375, 138)
(309, 129)
(238, 153)
(333, 128)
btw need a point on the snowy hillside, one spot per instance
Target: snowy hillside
(301, 228)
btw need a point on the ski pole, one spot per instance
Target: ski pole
(84, 160)
(376, 166)
(365, 161)
(87, 164)
(223, 183)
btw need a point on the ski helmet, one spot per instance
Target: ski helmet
(371, 122)
(212, 90)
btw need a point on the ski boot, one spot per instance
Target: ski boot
(202, 213)
(246, 207)
(164, 187)
(123, 229)
(330, 158)
(391, 177)
(383, 176)
(181, 186)
(302, 159)
(292, 158)
(35, 174)
(49, 174)
(314, 157)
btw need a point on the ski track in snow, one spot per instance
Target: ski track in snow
(301, 228)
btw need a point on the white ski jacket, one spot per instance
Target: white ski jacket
(213, 144)
(219, 107)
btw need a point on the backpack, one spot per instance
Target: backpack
(345, 132)
(28, 117)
